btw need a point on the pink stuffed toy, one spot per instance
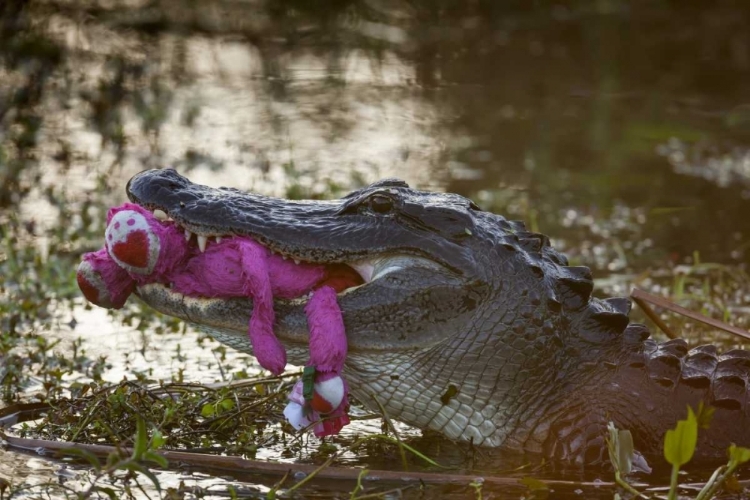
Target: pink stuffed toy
(140, 249)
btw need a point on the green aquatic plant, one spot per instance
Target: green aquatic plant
(679, 446)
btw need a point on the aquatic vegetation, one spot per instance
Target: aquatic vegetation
(679, 446)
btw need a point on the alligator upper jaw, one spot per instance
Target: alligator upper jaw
(335, 231)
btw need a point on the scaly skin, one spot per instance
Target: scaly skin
(489, 336)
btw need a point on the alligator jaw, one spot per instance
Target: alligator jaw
(399, 279)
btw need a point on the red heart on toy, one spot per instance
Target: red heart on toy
(134, 250)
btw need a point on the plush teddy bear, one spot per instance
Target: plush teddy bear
(140, 248)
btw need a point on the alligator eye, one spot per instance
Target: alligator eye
(381, 204)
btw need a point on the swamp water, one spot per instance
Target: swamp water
(620, 130)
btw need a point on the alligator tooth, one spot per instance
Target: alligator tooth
(218, 239)
(296, 261)
(202, 242)
(284, 257)
(188, 235)
(365, 268)
(160, 214)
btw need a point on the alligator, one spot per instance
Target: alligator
(466, 323)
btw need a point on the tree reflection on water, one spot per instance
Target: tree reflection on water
(565, 104)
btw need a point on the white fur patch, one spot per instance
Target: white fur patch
(122, 224)
(332, 390)
(295, 414)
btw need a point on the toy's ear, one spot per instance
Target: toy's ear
(132, 243)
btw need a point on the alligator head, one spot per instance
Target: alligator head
(465, 323)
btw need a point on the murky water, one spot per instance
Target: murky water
(621, 130)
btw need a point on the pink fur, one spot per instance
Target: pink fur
(103, 282)
(327, 336)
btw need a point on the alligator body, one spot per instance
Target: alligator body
(467, 323)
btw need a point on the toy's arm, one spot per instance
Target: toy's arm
(102, 281)
(267, 348)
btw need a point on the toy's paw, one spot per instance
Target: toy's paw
(328, 394)
(132, 243)
(93, 287)
(274, 363)
(266, 347)
(332, 424)
(102, 281)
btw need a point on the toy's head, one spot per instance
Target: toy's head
(146, 247)
(138, 248)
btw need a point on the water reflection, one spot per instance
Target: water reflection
(578, 108)
(619, 128)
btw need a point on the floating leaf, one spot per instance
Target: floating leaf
(680, 442)
(208, 410)
(537, 490)
(534, 484)
(739, 454)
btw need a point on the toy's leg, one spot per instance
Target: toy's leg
(267, 348)
(327, 335)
